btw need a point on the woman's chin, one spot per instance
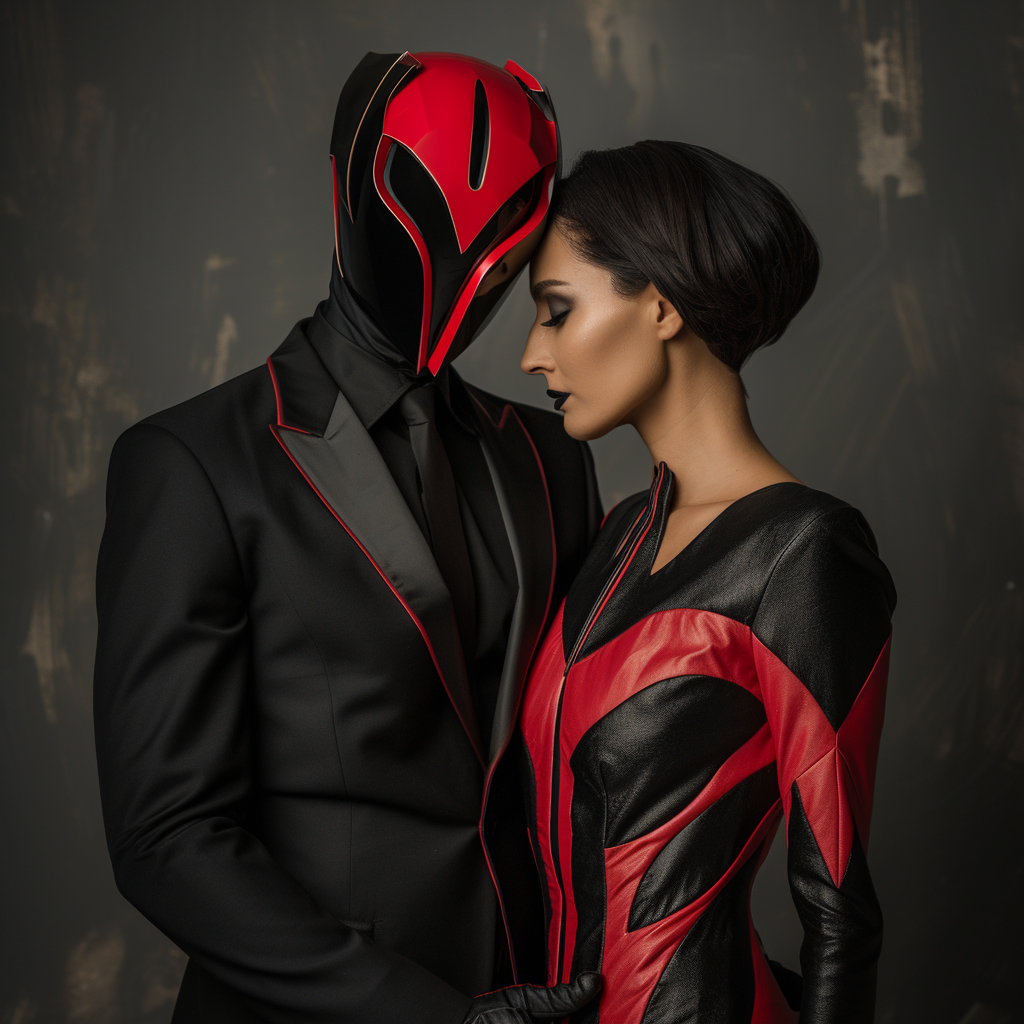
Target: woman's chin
(582, 428)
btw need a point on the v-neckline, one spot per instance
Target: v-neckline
(665, 500)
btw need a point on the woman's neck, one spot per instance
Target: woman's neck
(698, 424)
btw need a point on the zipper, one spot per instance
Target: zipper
(634, 538)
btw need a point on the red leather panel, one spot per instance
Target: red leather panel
(649, 652)
(834, 771)
(859, 738)
(634, 961)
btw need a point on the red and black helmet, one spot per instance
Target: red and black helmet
(443, 172)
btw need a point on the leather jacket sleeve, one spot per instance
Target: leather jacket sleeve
(172, 693)
(821, 646)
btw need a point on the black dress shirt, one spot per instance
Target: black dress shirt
(373, 376)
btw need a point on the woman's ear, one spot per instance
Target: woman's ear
(669, 323)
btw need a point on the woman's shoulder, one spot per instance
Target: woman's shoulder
(790, 518)
(825, 610)
(778, 552)
(789, 509)
(767, 547)
(824, 561)
(783, 511)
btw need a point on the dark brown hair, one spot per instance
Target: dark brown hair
(722, 243)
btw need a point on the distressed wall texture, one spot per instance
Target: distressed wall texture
(165, 214)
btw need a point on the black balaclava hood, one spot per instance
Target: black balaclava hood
(344, 313)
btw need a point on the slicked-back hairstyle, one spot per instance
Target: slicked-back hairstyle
(722, 243)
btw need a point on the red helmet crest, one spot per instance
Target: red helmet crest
(444, 167)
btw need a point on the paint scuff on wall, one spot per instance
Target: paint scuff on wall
(889, 107)
(93, 970)
(624, 40)
(44, 647)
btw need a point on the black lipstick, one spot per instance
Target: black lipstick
(559, 397)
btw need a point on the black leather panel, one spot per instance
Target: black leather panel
(826, 611)
(710, 978)
(588, 876)
(842, 928)
(694, 859)
(657, 750)
(801, 562)
(724, 570)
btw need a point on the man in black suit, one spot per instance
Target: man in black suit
(319, 589)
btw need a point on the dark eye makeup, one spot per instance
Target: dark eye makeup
(556, 318)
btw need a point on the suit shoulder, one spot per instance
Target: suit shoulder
(570, 477)
(243, 391)
(244, 395)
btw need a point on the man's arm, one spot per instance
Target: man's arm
(171, 700)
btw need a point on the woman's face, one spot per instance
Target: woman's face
(604, 351)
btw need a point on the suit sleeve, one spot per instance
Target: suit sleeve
(821, 649)
(171, 703)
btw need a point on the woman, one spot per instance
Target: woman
(719, 664)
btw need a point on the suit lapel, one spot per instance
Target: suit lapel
(345, 469)
(522, 493)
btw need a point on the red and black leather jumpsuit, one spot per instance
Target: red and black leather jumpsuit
(671, 720)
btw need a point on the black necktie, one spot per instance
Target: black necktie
(441, 504)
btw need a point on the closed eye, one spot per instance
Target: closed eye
(556, 320)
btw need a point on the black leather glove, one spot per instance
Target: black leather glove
(524, 1004)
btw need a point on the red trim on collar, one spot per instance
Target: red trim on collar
(277, 401)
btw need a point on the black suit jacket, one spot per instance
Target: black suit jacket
(294, 787)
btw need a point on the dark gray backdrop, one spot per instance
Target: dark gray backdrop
(165, 204)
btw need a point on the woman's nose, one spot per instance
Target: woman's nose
(536, 357)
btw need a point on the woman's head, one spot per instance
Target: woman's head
(663, 242)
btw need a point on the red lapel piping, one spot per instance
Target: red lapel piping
(412, 615)
(280, 413)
